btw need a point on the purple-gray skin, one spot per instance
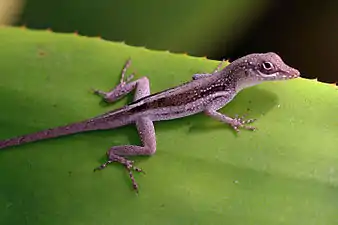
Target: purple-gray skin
(204, 93)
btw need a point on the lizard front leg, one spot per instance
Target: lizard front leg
(201, 75)
(235, 123)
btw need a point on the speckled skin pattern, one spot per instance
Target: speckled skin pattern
(204, 93)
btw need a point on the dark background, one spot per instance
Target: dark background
(304, 33)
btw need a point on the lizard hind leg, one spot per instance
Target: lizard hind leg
(144, 126)
(146, 131)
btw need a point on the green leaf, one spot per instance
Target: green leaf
(202, 173)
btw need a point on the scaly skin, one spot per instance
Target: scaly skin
(205, 93)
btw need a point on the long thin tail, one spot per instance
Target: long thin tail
(51, 133)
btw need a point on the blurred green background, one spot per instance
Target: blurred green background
(300, 31)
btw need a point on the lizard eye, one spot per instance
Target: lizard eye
(267, 65)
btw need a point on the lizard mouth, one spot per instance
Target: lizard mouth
(293, 73)
(281, 75)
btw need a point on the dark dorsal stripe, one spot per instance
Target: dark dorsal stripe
(182, 98)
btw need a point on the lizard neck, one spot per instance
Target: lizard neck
(238, 79)
(245, 83)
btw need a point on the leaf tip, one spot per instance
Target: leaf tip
(334, 85)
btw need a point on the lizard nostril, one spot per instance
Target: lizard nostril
(294, 72)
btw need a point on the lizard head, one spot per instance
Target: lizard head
(260, 67)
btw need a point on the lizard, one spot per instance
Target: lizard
(204, 93)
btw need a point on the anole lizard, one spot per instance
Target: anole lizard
(206, 93)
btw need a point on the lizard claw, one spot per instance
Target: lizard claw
(127, 80)
(115, 93)
(129, 165)
(120, 89)
(103, 166)
(98, 92)
(238, 121)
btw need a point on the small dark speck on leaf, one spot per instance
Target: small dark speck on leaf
(29, 164)
(41, 53)
(55, 105)
(249, 101)
(70, 173)
(162, 205)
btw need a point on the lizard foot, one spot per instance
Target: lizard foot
(115, 92)
(129, 165)
(238, 121)
(119, 90)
